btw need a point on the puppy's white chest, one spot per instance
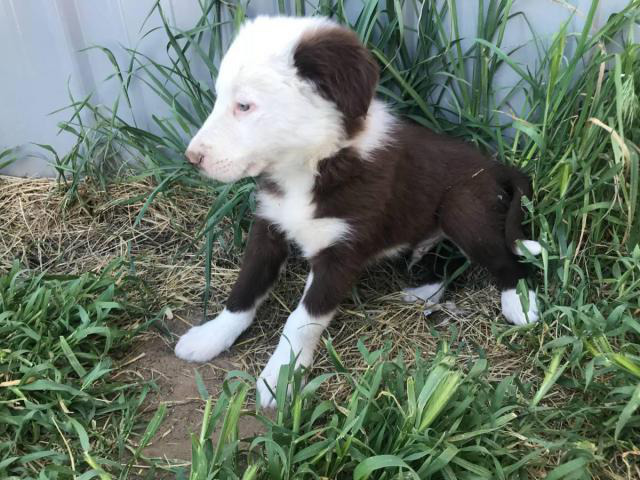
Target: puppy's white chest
(294, 213)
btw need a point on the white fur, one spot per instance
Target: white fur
(391, 252)
(430, 293)
(300, 338)
(512, 307)
(533, 247)
(290, 123)
(377, 132)
(207, 341)
(294, 212)
(307, 284)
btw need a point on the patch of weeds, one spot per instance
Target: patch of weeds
(63, 412)
(432, 419)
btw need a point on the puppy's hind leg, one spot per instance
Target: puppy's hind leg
(475, 225)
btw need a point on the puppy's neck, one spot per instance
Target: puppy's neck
(376, 134)
(377, 131)
(296, 178)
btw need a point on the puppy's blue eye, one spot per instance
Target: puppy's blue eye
(243, 107)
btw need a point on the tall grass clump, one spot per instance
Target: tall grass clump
(571, 120)
(62, 411)
(431, 419)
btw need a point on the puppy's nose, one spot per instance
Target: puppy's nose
(194, 157)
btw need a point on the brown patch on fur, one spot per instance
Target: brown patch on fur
(342, 69)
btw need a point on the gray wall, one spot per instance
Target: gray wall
(41, 58)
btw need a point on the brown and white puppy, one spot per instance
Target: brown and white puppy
(344, 180)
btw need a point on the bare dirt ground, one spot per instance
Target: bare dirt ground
(176, 384)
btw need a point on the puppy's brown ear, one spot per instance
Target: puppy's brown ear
(342, 69)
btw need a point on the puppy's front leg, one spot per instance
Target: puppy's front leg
(330, 278)
(265, 253)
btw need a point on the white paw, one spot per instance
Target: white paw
(268, 379)
(266, 384)
(430, 293)
(299, 338)
(207, 341)
(513, 311)
(531, 246)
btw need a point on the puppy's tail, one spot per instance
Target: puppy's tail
(521, 187)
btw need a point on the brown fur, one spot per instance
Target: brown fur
(421, 186)
(264, 255)
(342, 69)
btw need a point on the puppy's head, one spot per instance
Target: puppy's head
(289, 91)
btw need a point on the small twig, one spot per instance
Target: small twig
(72, 460)
(135, 359)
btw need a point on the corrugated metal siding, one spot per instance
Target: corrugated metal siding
(41, 57)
